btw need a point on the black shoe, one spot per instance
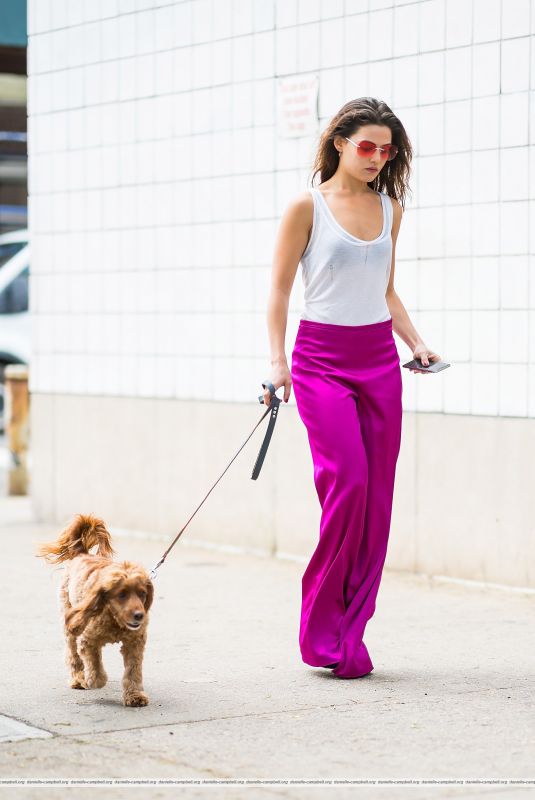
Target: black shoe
(331, 666)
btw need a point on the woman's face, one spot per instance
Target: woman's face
(364, 166)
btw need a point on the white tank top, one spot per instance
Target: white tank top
(345, 278)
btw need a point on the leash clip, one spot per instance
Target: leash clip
(156, 567)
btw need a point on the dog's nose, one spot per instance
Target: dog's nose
(138, 616)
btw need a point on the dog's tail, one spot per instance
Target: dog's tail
(84, 532)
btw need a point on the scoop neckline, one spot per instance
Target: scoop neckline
(343, 230)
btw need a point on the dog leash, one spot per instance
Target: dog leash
(273, 410)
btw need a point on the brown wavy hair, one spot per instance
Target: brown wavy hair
(394, 176)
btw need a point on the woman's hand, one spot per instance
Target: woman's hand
(425, 355)
(280, 376)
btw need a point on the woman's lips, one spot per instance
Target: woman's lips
(371, 169)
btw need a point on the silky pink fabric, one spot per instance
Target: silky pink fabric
(348, 389)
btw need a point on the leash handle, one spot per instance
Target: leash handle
(272, 392)
(274, 409)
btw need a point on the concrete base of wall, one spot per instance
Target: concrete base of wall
(464, 504)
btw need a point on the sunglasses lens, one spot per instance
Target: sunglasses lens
(389, 151)
(366, 148)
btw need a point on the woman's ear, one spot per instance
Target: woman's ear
(149, 588)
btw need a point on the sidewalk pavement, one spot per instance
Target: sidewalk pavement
(450, 697)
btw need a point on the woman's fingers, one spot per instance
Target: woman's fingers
(287, 391)
(279, 377)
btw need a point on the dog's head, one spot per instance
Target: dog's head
(130, 595)
(124, 589)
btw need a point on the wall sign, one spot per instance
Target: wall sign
(297, 105)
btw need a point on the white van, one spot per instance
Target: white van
(15, 332)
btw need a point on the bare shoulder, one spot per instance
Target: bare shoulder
(299, 212)
(301, 205)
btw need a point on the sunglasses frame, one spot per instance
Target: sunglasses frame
(381, 149)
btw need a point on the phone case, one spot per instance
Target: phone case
(434, 366)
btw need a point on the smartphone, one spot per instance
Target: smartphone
(434, 366)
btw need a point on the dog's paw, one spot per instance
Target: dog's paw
(135, 699)
(97, 681)
(78, 682)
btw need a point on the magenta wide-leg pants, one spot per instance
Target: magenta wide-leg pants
(348, 390)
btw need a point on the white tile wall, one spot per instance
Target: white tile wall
(157, 181)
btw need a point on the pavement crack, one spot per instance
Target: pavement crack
(255, 714)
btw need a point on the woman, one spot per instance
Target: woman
(345, 367)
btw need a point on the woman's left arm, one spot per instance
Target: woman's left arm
(401, 323)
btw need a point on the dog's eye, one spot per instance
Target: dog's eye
(143, 595)
(122, 595)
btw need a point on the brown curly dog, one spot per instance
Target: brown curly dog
(103, 602)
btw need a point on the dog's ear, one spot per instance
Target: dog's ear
(77, 617)
(149, 588)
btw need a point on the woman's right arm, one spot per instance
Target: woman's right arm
(291, 241)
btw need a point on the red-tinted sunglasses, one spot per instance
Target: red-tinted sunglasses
(365, 148)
